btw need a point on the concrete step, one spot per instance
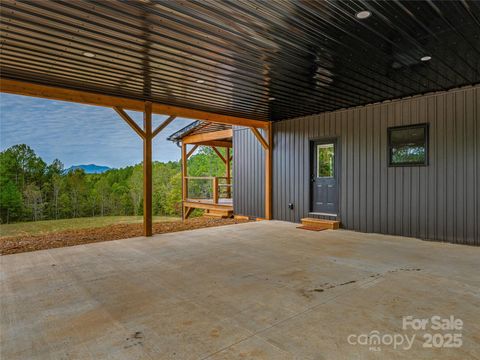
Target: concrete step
(330, 224)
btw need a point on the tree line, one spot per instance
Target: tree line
(32, 190)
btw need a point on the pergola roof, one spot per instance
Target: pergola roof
(195, 128)
(266, 60)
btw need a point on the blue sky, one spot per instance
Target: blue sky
(79, 134)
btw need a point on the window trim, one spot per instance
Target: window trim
(426, 127)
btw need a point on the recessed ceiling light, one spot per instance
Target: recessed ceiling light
(88, 54)
(396, 65)
(271, 98)
(363, 14)
(426, 58)
(200, 81)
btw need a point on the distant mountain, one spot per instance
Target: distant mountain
(89, 169)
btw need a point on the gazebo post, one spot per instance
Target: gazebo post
(228, 172)
(184, 179)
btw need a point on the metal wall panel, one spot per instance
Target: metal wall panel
(439, 202)
(248, 174)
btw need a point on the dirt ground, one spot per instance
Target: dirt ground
(43, 227)
(24, 243)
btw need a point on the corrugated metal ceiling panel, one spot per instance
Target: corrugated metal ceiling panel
(267, 60)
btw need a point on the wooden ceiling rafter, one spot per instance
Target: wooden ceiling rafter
(217, 143)
(209, 136)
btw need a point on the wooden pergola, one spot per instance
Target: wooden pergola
(215, 136)
(147, 132)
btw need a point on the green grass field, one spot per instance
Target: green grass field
(48, 226)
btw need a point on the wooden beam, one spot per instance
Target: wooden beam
(188, 211)
(219, 154)
(208, 136)
(268, 173)
(207, 206)
(91, 98)
(217, 143)
(129, 121)
(227, 163)
(147, 170)
(192, 151)
(184, 177)
(259, 137)
(241, 217)
(163, 125)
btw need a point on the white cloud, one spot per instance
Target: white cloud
(79, 134)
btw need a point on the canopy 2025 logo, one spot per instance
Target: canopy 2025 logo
(436, 332)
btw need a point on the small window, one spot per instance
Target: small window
(408, 145)
(325, 159)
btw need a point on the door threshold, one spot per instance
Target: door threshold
(322, 214)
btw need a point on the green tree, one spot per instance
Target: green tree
(65, 207)
(28, 167)
(55, 168)
(136, 189)
(34, 201)
(57, 183)
(206, 163)
(10, 201)
(119, 196)
(92, 200)
(102, 189)
(76, 189)
(173, 199)
(11, 204)
(31, 190)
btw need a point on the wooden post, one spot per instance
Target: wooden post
(147, 170)
(184, 178)
(215, 190)
(228, 172)
(268, 173)
(147, 136)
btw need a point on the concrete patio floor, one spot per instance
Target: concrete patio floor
(262, 290)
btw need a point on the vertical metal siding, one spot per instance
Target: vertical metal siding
(248, 174)
(440, 201)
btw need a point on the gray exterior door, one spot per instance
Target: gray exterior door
(324, 177)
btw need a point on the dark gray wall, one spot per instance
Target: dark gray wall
(438, 202)
(248, 174)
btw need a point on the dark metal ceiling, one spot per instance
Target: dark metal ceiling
(256, 59)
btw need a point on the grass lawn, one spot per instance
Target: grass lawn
(49, 226)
